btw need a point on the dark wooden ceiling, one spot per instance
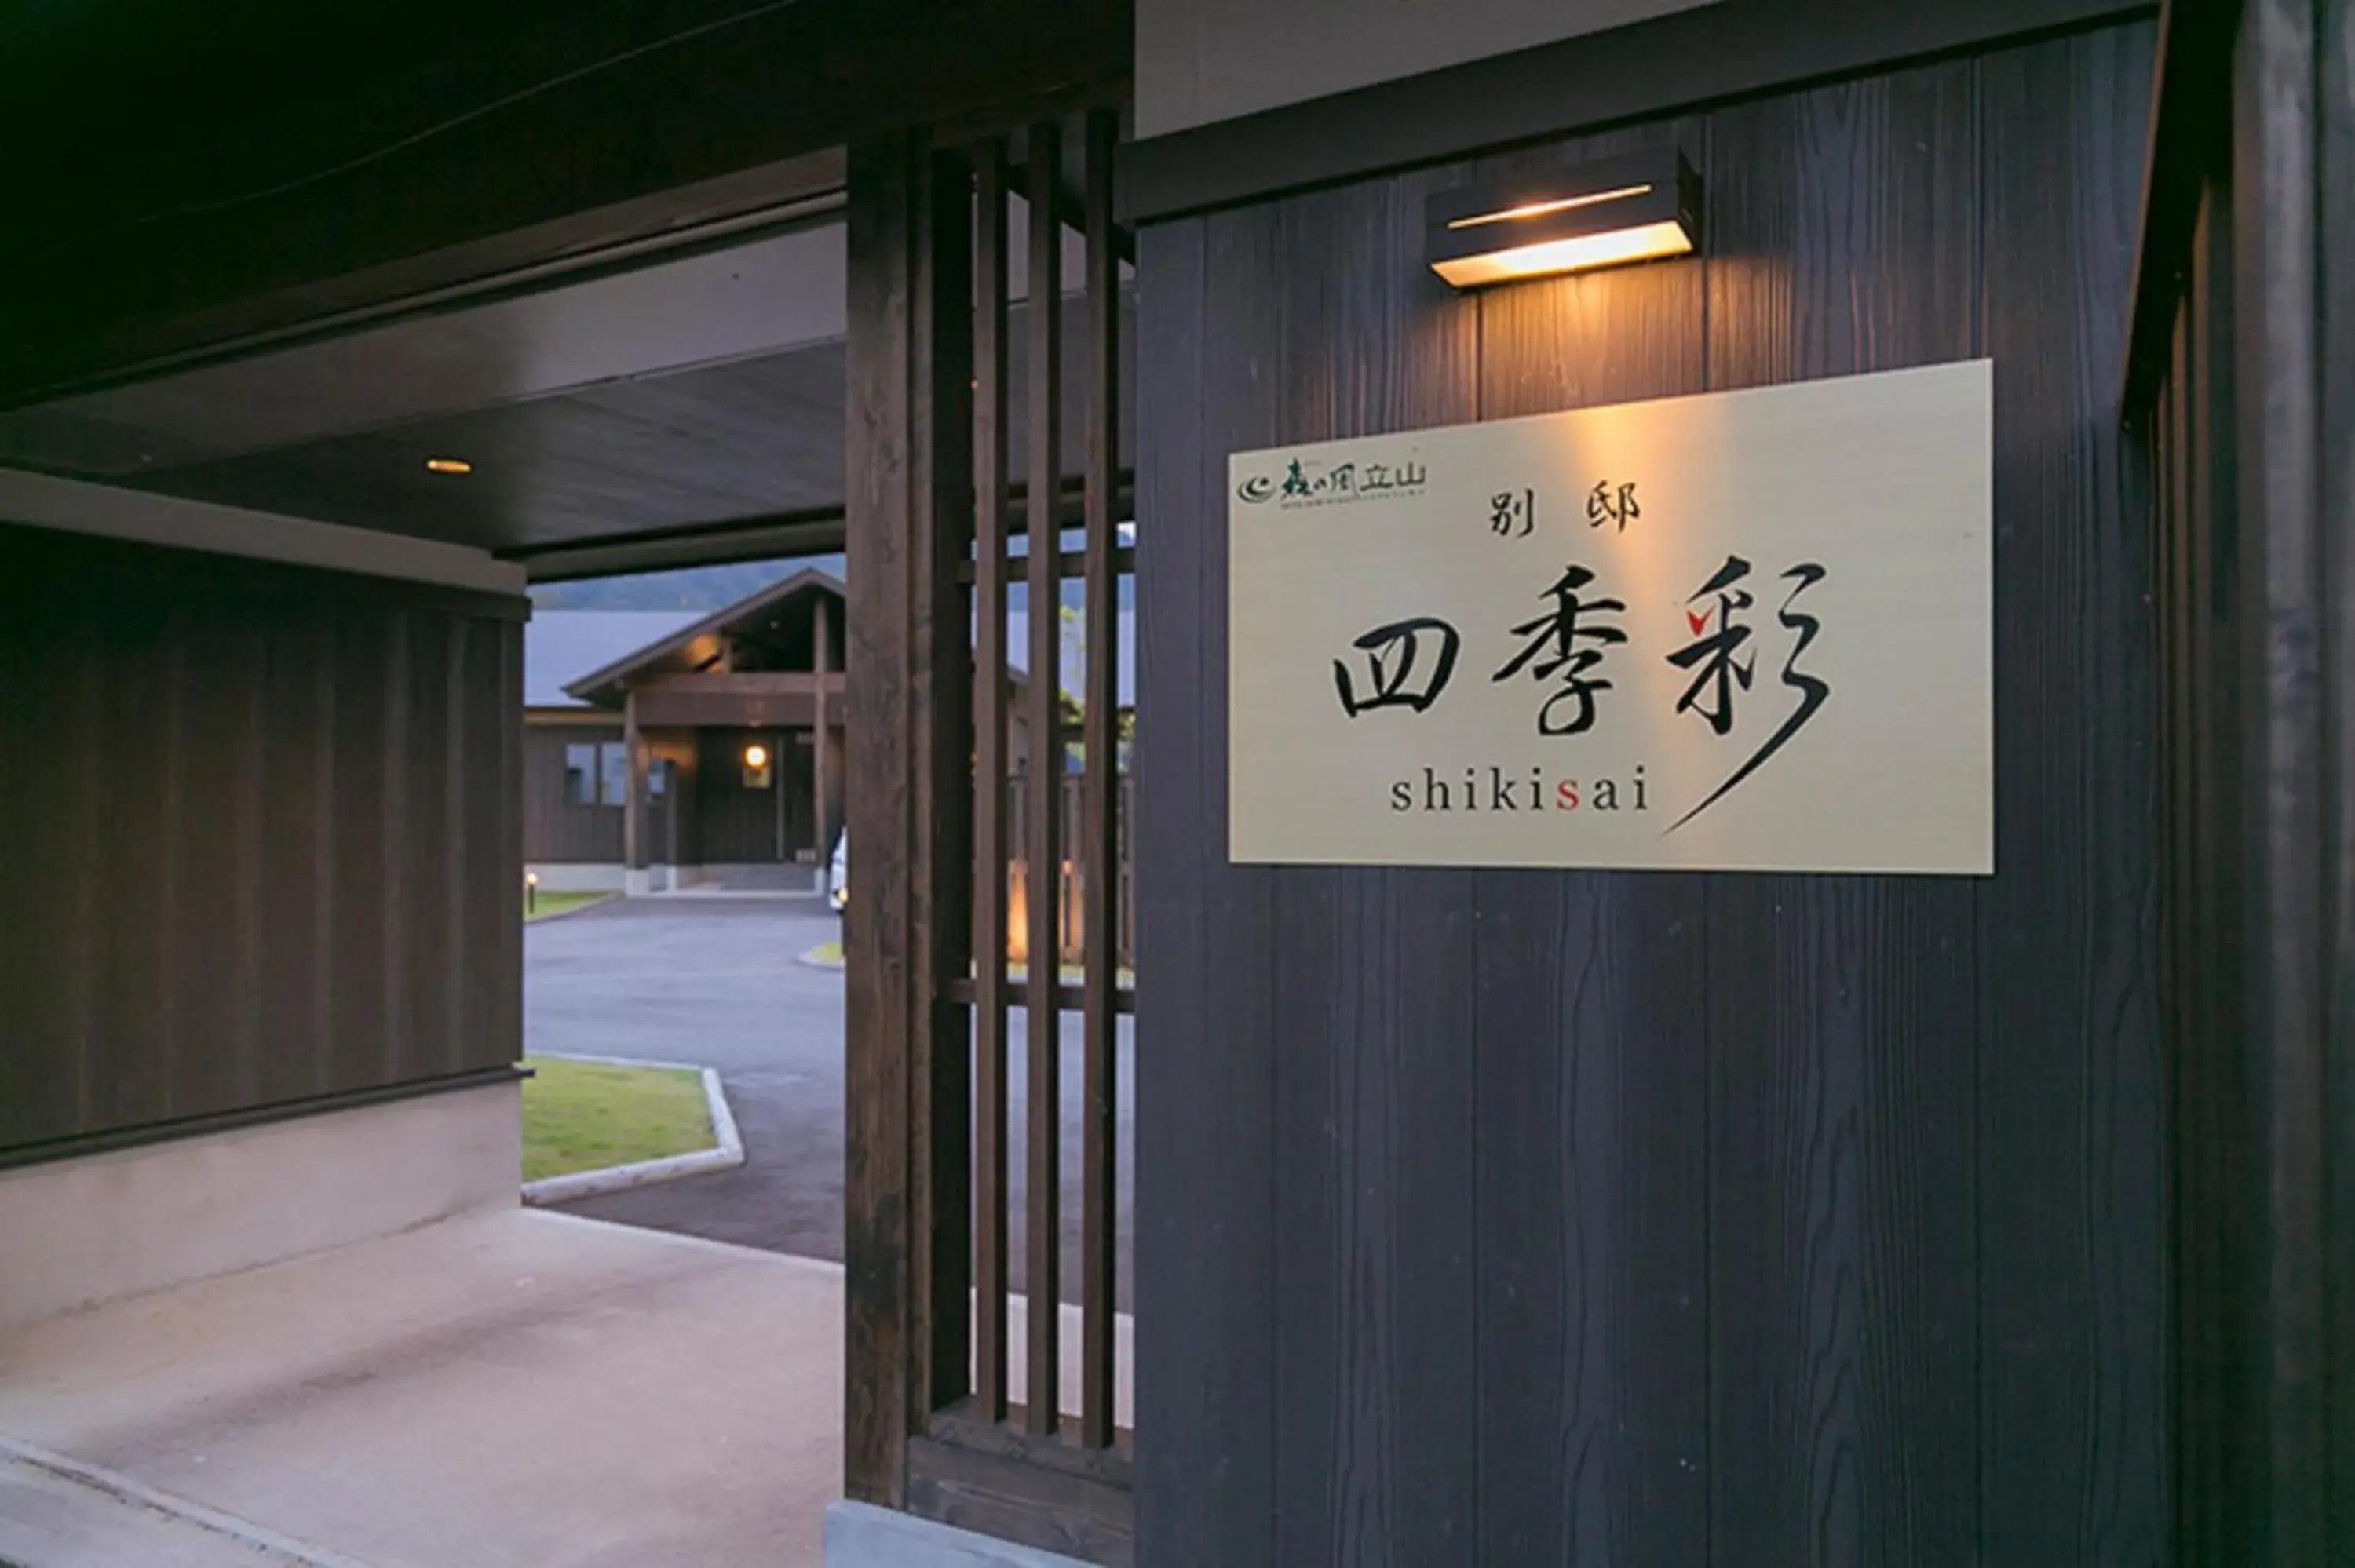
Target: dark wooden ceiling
(649, 450)
(749, 438)
(277, 256)
(181, 176)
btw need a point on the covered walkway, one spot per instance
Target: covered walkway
(510, 1388)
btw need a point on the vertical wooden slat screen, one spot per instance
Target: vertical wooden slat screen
(1045, 839)
(990, 759)
(1017, 850)
(1042, 1275)
(1099, 856)
(981, 857)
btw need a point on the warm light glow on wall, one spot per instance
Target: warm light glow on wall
(756, 756)
(1565, 220)
(1610, 249)
(449, 465)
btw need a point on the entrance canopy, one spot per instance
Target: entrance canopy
(469, 283)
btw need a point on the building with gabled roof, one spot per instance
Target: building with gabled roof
(663, 749)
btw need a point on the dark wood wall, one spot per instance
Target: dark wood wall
(2245, 394)
(738, 826)
(674, 827)
(259, 831)
(555, 830)
(1511, 1217)
(719, 822)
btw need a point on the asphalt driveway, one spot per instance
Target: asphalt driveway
(717, 982)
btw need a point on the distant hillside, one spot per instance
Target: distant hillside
(700, 588)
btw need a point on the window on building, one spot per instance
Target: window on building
(657, 779)
(580, 775)
(614, 769)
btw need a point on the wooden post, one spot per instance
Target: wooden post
(670, 817)
(942, 701)
(907, 1231)
(2292, 668)
(1043, 1249)
(819, 749)
(1099, 824)
(776, 745)
(878, 1302)
(990, 755)
(633, 794)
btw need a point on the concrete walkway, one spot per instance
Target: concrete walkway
(512, 1389)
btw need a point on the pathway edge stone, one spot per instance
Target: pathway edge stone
(727, 1153)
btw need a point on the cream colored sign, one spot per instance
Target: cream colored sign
(1744, 632)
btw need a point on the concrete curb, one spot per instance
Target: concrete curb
(568, 913)
(860, 1535)
(729, 1153)
(121, 1488)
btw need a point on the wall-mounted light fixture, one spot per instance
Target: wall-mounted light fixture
(1565, 220)
(448, 465)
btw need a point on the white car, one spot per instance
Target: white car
(837, 878)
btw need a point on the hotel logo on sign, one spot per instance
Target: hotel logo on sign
(1301, 483)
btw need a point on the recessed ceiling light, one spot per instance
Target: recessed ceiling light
(449, 465)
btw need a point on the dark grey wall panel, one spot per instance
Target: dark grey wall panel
(2242, 403)
(1519, 1217)
(2071, 1085)
(263, 829)
(1380, 1385)
(1840, 1009)
(1592, 1129)
(1206, 1264)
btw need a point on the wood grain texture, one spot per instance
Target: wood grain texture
(941, 698)
(1840, 1009)
(879, 777)
(1042, 1023)
(1099, 851)
(1012, 1499)
(1789, 1219)
(2293, 795)
(554, 829)
(2335, 433)
(2070, 1089)
(2247, 419)
(1594, 1094)
(1205, 1260)
(2217, 1238)
(1375, 1259)
(187, 927)
(991, 1187)
(735, 824)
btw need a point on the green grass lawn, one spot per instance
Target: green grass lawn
(546, 903)
(581, 1116)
